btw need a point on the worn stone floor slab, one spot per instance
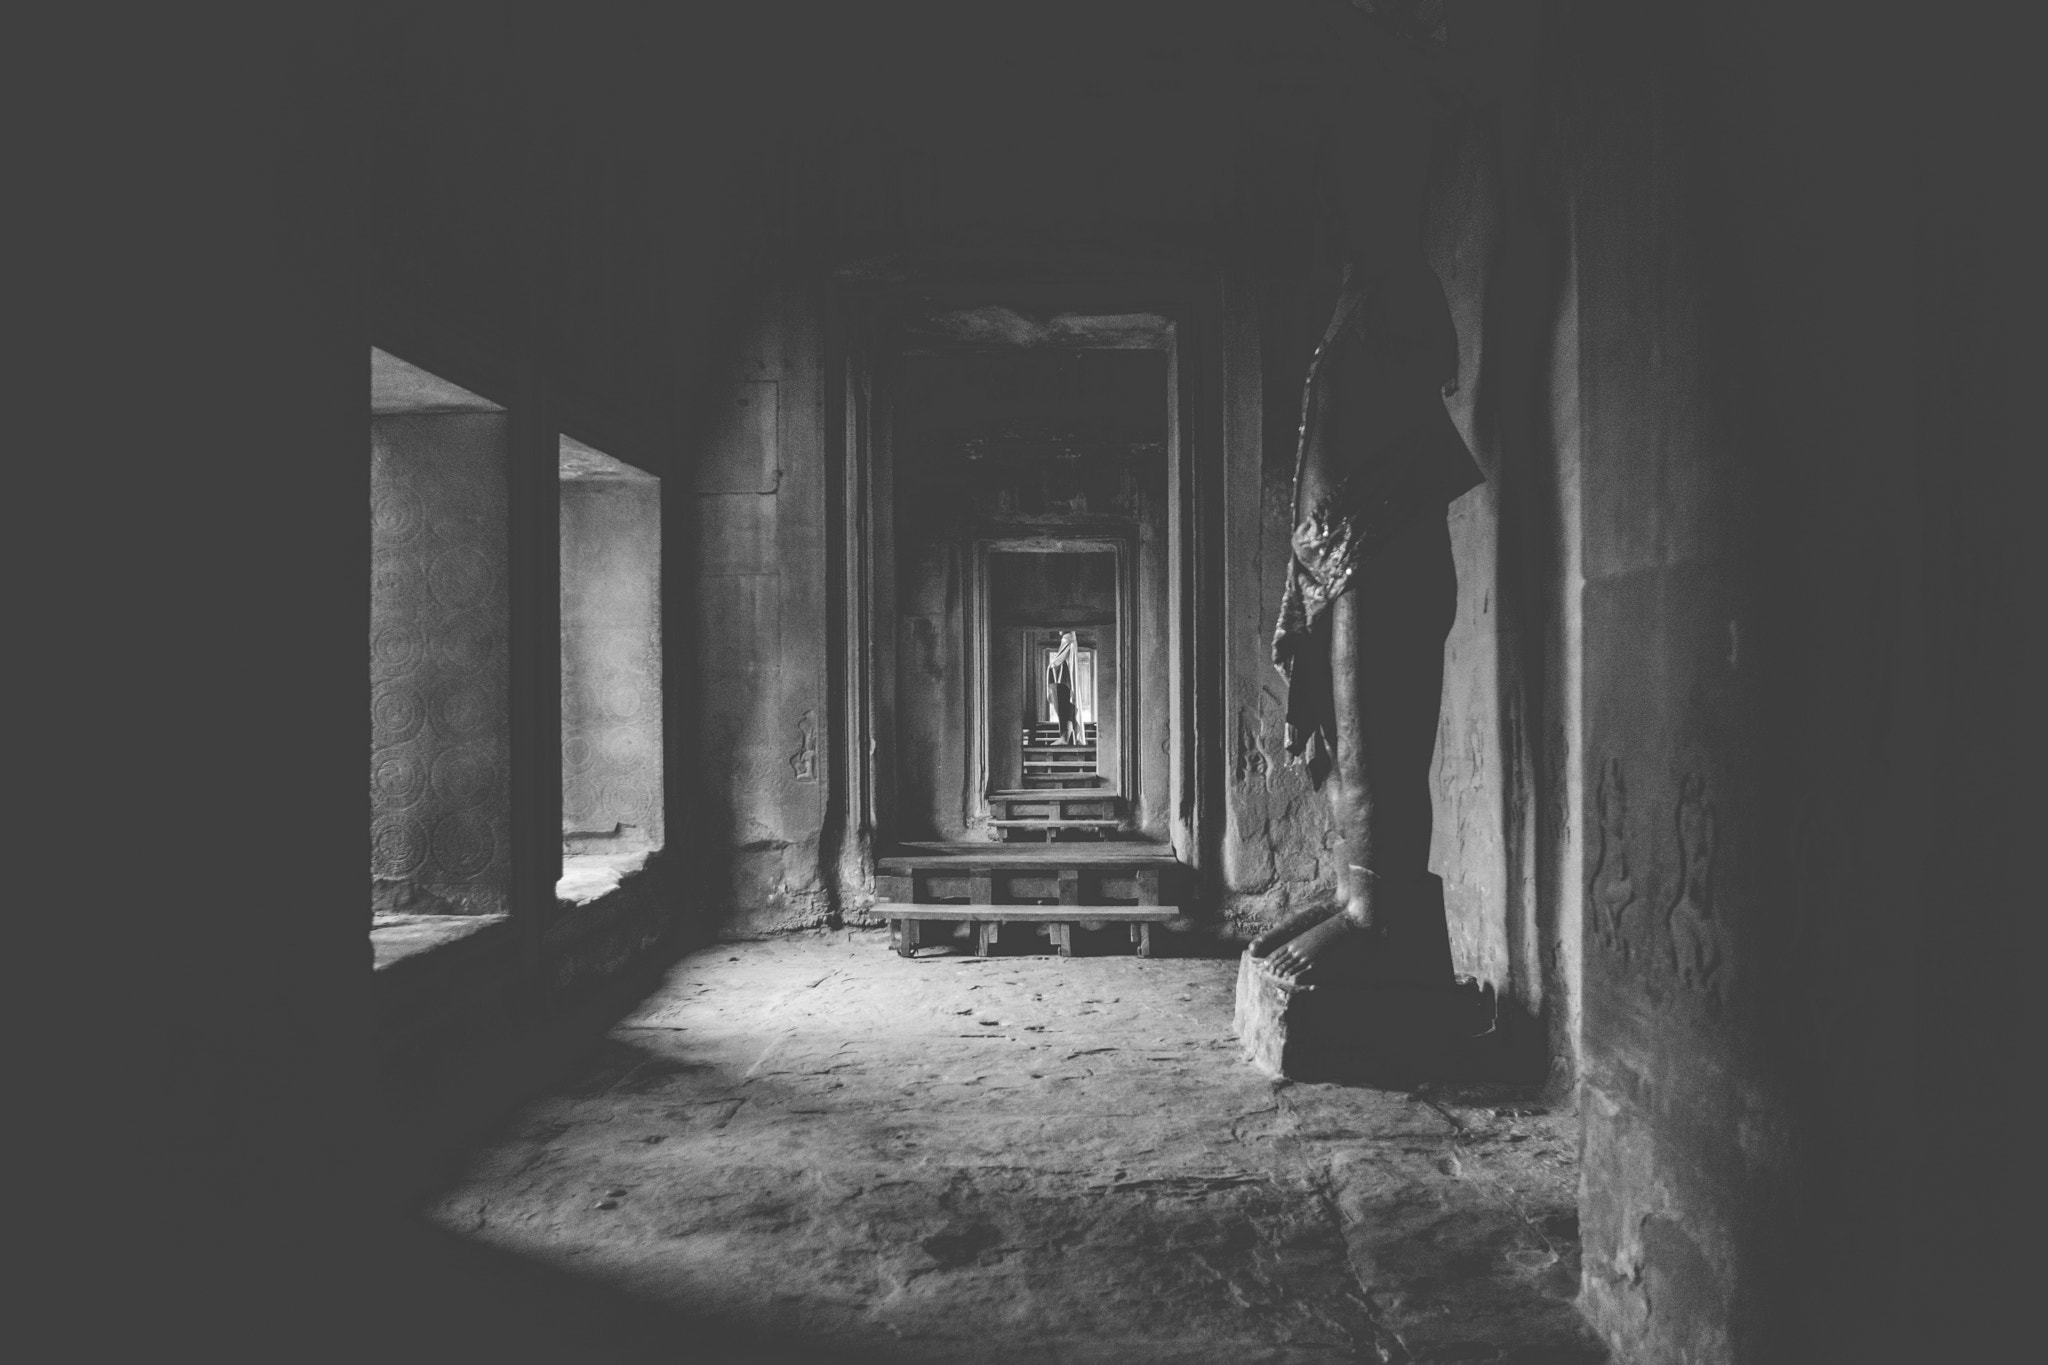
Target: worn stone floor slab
(1028, 1159)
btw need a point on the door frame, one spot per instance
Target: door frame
(865, 316)
(1124, 785)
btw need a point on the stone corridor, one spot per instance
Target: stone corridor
(1025, 1159)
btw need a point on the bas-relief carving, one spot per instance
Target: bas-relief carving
(438, 787)
(1611, 888)
(1695, 938)
(1250, 762)
(1692, 952)
(1281, 854)
(803, 763)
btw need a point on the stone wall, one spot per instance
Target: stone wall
(1801, 550)
(1689, 1105)
(758, 662)
(440, 737)
(612, 663)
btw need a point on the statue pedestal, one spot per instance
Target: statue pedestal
(1387, 1035)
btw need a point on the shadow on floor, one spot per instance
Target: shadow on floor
(449, 1298)
(396, 1291)
(398, 1288)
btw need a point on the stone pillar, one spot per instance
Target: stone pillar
(440, 743)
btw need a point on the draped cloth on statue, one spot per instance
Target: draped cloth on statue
(1061, 679)
(1377, 450)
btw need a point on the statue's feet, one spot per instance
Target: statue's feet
(1337, 947)
(1287, 929)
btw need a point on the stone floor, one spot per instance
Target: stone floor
(1026, 1158)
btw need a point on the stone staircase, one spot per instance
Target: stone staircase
(1049, 763)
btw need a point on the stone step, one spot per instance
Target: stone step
(1049, 794)
(1060, 920)
(961, 858)
(1018, 808)
(1107, 914)
(1021, 885)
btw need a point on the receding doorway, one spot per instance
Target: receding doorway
(1046, 686)
(1024, 549)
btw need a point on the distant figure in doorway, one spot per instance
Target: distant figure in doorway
(1060, 676)
(1372, 589)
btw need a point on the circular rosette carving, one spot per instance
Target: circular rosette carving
(628, 800)
(463, 711)
(464, 777)
(396, 513)
(579, 803)
(624, 652)
(397, 714)
(396, 649)
(468, 643)
(461, 578)
(398, 848)
(395, 582)
(625, 746)
(397, 779)
(622, 698)
(464, 844)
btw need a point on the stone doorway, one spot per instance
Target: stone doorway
(993, 451)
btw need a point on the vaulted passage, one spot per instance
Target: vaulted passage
(1106, 680)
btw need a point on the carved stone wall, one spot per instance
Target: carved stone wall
(611, 663)
(757, 665)
(440, 792)
(1688, 1091)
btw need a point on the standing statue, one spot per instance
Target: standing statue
(1061, 674)
(1372, 589)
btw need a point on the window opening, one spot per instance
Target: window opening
(611, 735)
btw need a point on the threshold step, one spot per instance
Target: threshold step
(905, 916)
(966, 913)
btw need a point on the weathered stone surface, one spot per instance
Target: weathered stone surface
(394, 937)
(611, 646)
(1388, 1034)
(440, 756)
(1027, 1159)
(588, 876)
